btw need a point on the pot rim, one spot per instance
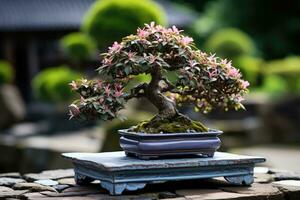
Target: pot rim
(211, 132)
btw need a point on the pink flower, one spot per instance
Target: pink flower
(131, 55)
(244, 84)
(186, 40)
(233, 73)
(175, 30)
(239, 98)
(223, 62)
(73, 85)
(118, 90)
(116, 47)
(118, 93)
(107, 61)
(107, 90)
(142, 33)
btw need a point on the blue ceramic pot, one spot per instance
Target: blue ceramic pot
(148, 146)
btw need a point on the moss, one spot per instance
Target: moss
(179, 124)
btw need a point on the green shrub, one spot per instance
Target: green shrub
(78, 46)
(230, 43)
(110, 20)
(253, 17)
(250, 67)
(275, 85)
(288, 65)
(287, 68)
(6, 72)
(52, 84)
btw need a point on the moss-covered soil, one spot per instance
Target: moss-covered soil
(178, 124)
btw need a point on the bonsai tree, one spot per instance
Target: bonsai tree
(201, 79)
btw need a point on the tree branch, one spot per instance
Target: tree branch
(137, 92)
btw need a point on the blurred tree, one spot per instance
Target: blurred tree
(237, 46)
(196, 5)
(110, 20)
(251, 68)
(274, 85)
(52, 84)
(274, 25)
(6, 72)
(78, 46)
(230, 43)
(288, 69)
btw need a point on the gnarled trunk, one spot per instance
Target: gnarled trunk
(165, 106)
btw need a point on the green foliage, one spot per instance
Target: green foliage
(250, 67)
(230, 43)
(273, 25)
(78, 46)
(202, 79)
(6, 72)
(288, 69)
(274, 85)
(110, 20)
(52, 84)
(287, 66)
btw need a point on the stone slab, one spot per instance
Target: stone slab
(33, 187)
(11, 175)
(118, 172)
(46, 182)
(114, 161)
(5, 189)
(208, 194)
(50, 174)
(6, 181)
(12, 194)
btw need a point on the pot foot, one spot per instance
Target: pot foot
(118, 188)
(82, 179)
(240, 180)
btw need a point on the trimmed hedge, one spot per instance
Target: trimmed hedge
(52, 84)
(110, 20)
(78, 46)
(230, 43)
(250, 67)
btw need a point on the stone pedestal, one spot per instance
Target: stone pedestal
(118, 172)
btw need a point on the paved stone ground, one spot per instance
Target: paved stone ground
(59, 184)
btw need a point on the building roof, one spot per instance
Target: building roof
(45, 15)
(31, 15)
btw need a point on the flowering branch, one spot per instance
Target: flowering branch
(202, 79)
